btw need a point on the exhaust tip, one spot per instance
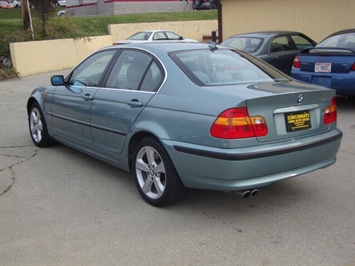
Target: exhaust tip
(244, 194)
(254, 192)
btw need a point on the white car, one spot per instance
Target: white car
(5, 5)
(16, 3)
(62, 3)
(154, 35)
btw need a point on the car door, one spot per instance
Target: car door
(132, 82)
(301, 42)
(71, 103)
(281, 53)
(159, 36)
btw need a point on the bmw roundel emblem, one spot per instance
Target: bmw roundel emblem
(300, 98)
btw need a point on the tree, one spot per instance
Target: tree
(45, 9)
(25, 14)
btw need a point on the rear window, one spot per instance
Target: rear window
(248, 44)
(339, 41)
(224, 67)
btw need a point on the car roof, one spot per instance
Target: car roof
(153, 30)
(340, 32)
(265, 33)
(167, 46)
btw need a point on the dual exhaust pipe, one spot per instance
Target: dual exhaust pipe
(247, 193)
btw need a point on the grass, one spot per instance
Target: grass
(11, 20)
(11, 27)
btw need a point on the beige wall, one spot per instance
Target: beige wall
(315, 18)
(187, 29)
(43, 56)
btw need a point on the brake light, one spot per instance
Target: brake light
(297, 62)
(235, 123)
(353, 67)
(330, 113)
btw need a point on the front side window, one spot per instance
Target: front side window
(223, 67)
(135, 70)
(89, 72)
(280, 44)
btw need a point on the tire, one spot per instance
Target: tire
(213, 6)
(156, 178)
(38, 127)
(197, 2)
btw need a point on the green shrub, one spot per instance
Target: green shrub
(7, 73)
(56, 28)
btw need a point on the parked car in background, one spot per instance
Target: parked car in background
(61, 13)
(62, 3)
(278, 48)
(5, 5)
(154, 35)
(193, 115)
(16, 3)
(204, 4)
(331, 63)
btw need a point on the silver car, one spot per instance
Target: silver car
(154, 36)
(188, 115)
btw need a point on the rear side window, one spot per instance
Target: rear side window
(135, 70)
(159, 36)
(223, 67)
(301, 42)
(172, 35)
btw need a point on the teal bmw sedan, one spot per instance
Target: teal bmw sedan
(188, 115)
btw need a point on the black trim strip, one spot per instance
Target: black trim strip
(255, 155)
(88, 124)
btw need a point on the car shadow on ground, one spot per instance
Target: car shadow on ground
(346, 103)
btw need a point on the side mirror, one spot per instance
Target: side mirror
(57, 80)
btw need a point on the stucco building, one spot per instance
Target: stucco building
(115, 7)
(316, 18)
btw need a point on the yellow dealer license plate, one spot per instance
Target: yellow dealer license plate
(298, 121)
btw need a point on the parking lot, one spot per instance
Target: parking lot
(61, 207)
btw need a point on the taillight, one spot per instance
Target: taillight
(330, 113)
(235, 123)
(297, 62)
(353, 67)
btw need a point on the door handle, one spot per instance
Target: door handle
(135, 103)
(87, 97)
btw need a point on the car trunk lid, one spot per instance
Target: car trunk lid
(291, 109)
(324, 60)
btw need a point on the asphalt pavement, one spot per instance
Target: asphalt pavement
(61, 207)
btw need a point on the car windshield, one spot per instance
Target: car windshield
(224, 67)
(140, 36)
(248, 44)
(339, 41)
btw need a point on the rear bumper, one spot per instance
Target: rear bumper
(202, 6)
(237, 169)
(344, 84)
